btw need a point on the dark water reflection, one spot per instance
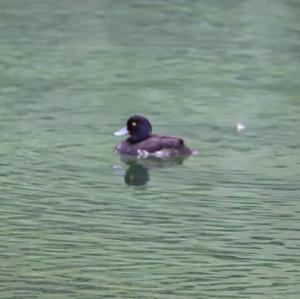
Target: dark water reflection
(138, 171)
(136, 175)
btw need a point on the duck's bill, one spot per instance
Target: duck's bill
(121, 132)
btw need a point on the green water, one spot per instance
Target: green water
(224, 224)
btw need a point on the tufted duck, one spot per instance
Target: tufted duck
(141, 142)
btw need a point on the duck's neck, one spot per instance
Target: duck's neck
(133, 139)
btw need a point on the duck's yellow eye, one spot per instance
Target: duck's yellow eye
(133, 124)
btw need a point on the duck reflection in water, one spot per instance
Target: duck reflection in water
(137, 173)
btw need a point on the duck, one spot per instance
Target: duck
(143, 143)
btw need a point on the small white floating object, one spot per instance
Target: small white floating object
(240, 127)
(195, 153)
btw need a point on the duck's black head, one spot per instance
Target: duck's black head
(138, 127)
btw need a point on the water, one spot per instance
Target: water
(224, 224)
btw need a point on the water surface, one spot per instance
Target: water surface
(223, 224)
